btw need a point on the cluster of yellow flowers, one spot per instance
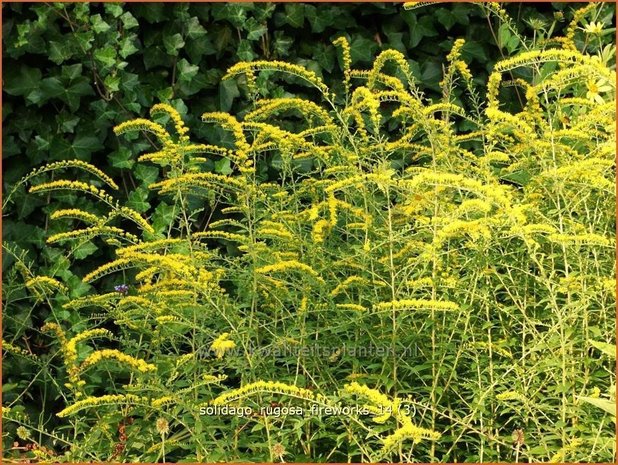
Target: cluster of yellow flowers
(222, 344)
(386, 408)
(73, 186)
(273, 387)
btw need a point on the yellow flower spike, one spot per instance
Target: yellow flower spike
(281, 66)
(343, 43)
(75, 214)
(112, 354)
(103, 270)
(78, 164)
(89, 233)
(46, 283)
(292, 265)
(348, 282)
(319, 231)
(141, 124)
(267, 108)
(380, 61)
(179, 125)
(63, 184)
(273, 387)
(110, 400)
(417, 304)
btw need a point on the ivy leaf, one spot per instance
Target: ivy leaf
(235, 13)
(194, 29)
(122, 158)
(228, 91)
(146, 174)
(152, 12)
(318, 20)
(173, 43)
(81, 147)
(446, 18)
(461, 13)
(255, 29)
(128, 20)
(114, 9)
(163, 217)
(98, 24)
(59, 52)
(128, 46)
(22, 82)
(84, 250)
(362, 49)
(223, 166)
(295, 15)
(245, 51)
(282, 43)
(186, 71)
(106, 56)
(138, 200)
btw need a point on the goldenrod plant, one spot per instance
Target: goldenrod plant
(432, 271)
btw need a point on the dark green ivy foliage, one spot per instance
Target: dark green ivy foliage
(72, 71)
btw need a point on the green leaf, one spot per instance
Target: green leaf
(84, 250)
(255, 30)
(98, 24)
(163, 217)
(128, 20)
(228, 91)
(128, 46)
(245, 51)
(520, 177)
(362, 49)
(604, 404)
(474, 50)
(59, 52)
(607, 349)
(138, 200)
(112, 83)
(75, 90)
(122, 158)
(146, 174)
(282, 43)
(235, 13)
(318, 19)
(223, 166)
(23, 81)
(461, 13)
(194, 29)
(106, 56)
(151, 12)
(173, 43)
(513, 44)
(325, 56)
(446, 18)
(71, 71)
(114, 9)
(295, 14)
(186, 71)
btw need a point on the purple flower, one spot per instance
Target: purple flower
(122, 288)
